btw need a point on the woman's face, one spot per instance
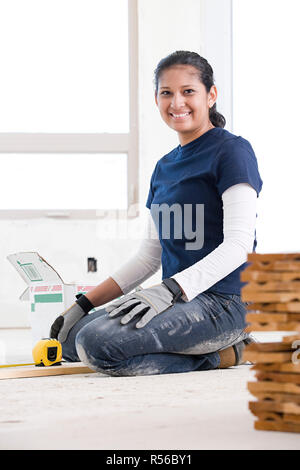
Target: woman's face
(184, 103)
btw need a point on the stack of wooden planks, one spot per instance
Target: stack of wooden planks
(273, 296)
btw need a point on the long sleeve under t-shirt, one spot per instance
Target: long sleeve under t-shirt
(202, 200)
(239, 207)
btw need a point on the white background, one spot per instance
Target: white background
(266, 105)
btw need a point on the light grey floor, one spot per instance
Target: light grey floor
(199, 410)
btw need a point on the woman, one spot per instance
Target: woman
(202, 200)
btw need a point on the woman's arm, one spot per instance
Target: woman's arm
(239, 208)
(139, 268)
(105, 292)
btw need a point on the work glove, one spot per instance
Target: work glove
(63, 324)
(148, 302)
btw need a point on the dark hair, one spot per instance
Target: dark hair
(206, 76)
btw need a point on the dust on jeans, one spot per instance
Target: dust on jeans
(191, 316)
(214, 344)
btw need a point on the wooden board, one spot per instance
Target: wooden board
(274, 266)
(282, 297)
(277, 417)
(292, 418)
(269, 347)
(268, 317)
(261, 425)
(273, 387)
(275, 307)
(271, 286)
(271, 406)
(267, 357)
(33, 371)
(287, 367)
(265, 276)
(277, 397)
(291, 339)
(273, 257)
(278, 377)
(288, 326)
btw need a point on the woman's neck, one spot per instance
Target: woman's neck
(186, 138)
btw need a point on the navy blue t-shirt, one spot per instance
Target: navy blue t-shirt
(186, 204)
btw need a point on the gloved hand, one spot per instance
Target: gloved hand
(63, 324)
(150, 302)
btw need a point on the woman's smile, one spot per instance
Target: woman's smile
(181, 116)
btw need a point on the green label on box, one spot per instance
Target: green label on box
(40, 298)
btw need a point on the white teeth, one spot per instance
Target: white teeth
(180, 115)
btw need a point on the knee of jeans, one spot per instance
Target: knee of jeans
(92, 350)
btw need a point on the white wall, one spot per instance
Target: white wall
(164, 26)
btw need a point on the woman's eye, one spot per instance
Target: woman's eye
(165, 92)
(188, 91)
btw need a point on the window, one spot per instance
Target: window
(266, 73)
(68, 114)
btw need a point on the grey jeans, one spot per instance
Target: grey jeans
(185, 337)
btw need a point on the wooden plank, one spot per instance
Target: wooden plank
(273, 256)
(291, 339)
(278, 377)
(272, 326)
(271, 286)
(261, 425)
(268, 416)
(277, 397)
(267, 357)
(33, 371)
(274, 307)
(287, 367)
(273, 416)
(262, 276)
(273, 387)
(274, 266)
(282, 297)
(271, 406)
(269, 347)
(291, 418)
(277, 317)
(268, 317)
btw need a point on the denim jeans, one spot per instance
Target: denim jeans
(185, 337)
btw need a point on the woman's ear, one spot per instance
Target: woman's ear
(155, 97)
(212, 96)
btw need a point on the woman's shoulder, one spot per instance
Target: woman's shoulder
(229, 141)
(223, 135)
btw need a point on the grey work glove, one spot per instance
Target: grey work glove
(63, 324)
(150, 302)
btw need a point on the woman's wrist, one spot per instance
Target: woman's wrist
(105, 292)
(84, 303)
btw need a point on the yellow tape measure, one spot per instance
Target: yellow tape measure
(47, 352)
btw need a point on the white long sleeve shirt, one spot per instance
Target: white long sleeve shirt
(239, 218)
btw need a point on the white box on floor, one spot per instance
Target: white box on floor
(49, 296)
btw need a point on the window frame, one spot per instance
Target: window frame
(216, 47)
(127, 143)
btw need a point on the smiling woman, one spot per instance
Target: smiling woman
(194, 319)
